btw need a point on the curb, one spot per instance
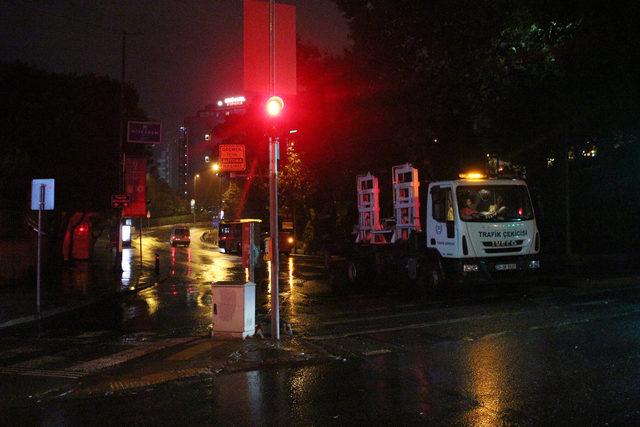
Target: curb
(57, 311)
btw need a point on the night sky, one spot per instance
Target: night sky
(189, 54)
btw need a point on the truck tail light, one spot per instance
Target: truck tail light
(537, 242)
(465, 248)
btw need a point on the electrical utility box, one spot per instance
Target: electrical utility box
(233, 309)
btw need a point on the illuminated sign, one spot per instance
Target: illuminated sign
(232, 101)
(144, 132)
(232, 158)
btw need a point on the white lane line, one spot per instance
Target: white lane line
(429, 311)
(469, 319)
(416, 325)
(369, 310)
(39, 361)
(563, 323)
(127, 355)
(371, 318)
(62, 373)
(376, 352)
(596, 302)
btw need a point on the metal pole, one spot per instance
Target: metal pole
(273, 190)
(120, 138)
(219, 193)
(121, 157)
(567, 197)
(252, 258)
(273, 227)
(39, 268)
(140, 244)
(194, 186)
(272, 48)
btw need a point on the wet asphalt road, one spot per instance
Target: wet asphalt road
(558, 352)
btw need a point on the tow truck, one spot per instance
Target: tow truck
(475, 228)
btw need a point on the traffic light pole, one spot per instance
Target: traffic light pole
(273, 189)
(273, 226)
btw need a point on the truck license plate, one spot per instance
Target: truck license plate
(502, 267)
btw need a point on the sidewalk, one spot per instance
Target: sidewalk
(206, 357)
(73, 286)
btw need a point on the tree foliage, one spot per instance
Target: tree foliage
(441, 83)
(63, 127)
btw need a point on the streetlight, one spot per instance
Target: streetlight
(215, 167)
(195, 178)
(121, 127)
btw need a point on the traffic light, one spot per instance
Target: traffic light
(275, 117)
(275, 105)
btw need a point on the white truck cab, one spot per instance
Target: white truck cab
(482, 227)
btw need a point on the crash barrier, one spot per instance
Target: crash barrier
(179, 219)
(210, 236)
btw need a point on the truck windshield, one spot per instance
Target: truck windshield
(494, 203)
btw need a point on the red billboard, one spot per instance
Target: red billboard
(135, 179)
(256, 48)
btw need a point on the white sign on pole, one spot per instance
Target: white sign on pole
(49, 189)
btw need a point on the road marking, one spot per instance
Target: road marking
(370, 310)
(563, 323)
(370, 318)
(195, 350)
(156, 378)
(92, 334)
(416, 326)
(468, 319)
(61, 373)
(127, 355)
(18, 351)
(34, 363)
(596, 302)
(376, 352)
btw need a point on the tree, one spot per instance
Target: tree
(231, 201)
(61, 126)
(163, 200)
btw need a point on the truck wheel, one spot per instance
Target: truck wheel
(435, 276)
(412, 269)
(353, 273)
(327, 260)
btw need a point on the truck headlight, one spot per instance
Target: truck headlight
(470, 268)
(534, 263)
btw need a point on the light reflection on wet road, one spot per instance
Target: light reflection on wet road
(180, 304)
(530, 355)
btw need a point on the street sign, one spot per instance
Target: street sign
(144, 132)
(135, 182)
(42, 192)
(232, 158)
(120, 200)
(49, 189)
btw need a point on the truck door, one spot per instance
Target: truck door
(441, 231)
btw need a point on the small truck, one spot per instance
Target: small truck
(474, 229)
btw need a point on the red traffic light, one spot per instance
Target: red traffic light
(274, 106)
